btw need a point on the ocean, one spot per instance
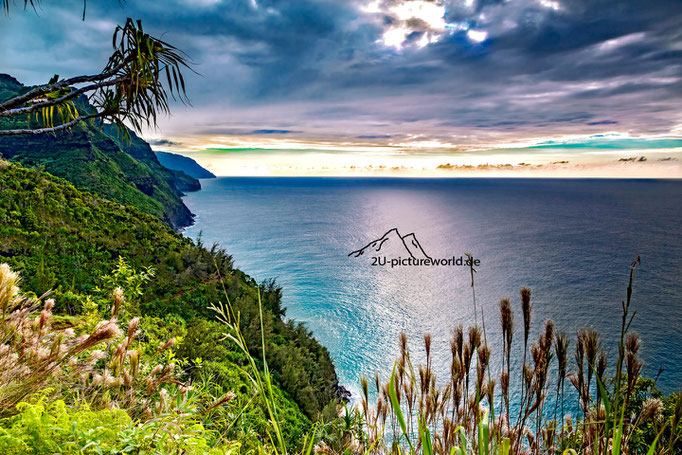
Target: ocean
(570, 240)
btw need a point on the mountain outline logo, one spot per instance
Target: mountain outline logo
(393, 244)
(395, 250)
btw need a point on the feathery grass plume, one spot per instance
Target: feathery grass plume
(424, 380)
(450, 417)
(549, 334)
(578, 378)
(104, 330)
(527, 378)
(490, 392)
(633, 366)
(403, 344)
(466, 366)
(9, 288)
(504, 385)
(34, 354)
(364, 388)
(592, 346)
(482, 366)
(526, 309)
(427, 346)
(561, 344)
(474, 337)
(507, 323)
(652, 409)
(458, 339)
(541, 373)
(119, 298)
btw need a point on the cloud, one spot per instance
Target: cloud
(603, 122)
(258, 132)
(463, 72)
(164, 142)
(219, 129)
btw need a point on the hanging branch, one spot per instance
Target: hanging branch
(135, 86)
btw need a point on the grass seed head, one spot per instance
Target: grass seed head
(526, 308)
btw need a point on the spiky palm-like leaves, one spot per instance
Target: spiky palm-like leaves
(141, 77)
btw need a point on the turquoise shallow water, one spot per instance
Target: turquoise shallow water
(571, 241)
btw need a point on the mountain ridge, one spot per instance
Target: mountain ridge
(185, 164)
(98, 160)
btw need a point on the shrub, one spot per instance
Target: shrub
(41, 428)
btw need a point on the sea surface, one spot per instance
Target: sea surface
(570, 241)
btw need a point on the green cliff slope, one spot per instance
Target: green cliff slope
(98, 161)
(64, 239)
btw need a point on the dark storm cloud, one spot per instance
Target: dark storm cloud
(544, 63)
(603, 122)
(216, 129)
(259, 132)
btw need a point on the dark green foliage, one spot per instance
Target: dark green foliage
(56, 235)
(140, 150)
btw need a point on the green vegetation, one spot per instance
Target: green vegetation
(123, 394)
(40, 428)
(206, 364)
(99, 161)
(467, 413)
(58, 237)
(127, 338)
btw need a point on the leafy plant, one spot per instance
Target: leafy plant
(135, 85)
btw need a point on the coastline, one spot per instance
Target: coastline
(339, 390)
(321, 219)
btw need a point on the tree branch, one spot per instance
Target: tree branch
(52, 129)
(47, 88)
(54, 102)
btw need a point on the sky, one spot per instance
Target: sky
(395, 87)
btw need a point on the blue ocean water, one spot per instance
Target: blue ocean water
(571, 241)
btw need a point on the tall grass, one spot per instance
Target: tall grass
(463, 413)
(413, 412)
(93, 362)
(260, 380)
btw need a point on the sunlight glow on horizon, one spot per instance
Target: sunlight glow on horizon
(609, 154)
